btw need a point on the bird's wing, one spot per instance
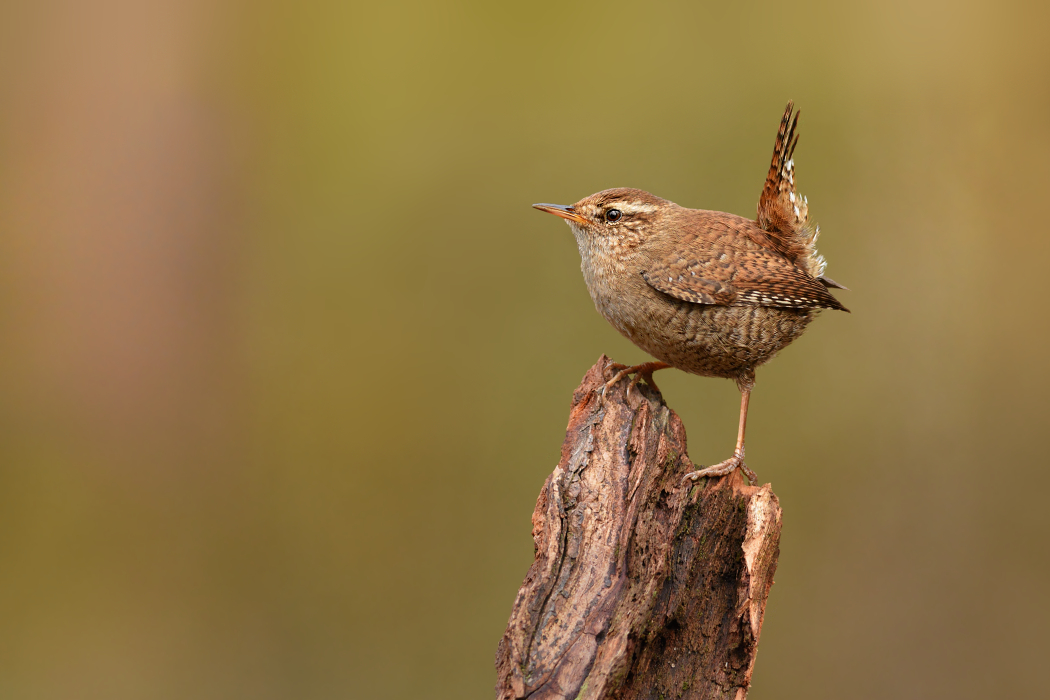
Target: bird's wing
(783, 212)
(691, 279)
(734, 277)
(765, 278)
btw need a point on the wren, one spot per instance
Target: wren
(706, 292)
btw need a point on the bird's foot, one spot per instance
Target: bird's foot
(642, 371)
(723, 468)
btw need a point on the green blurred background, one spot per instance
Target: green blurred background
(286, 356)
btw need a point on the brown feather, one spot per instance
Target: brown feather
(709, 257)
(828, 282)
(783, 213)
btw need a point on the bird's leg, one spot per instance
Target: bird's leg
(737, 460)
(644, 370)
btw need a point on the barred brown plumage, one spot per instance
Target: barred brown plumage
(707, 292)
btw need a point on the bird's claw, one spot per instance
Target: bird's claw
(642, 371)
(723, 468)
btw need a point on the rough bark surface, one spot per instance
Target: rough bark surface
(643, 586)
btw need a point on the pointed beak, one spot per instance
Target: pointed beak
(562, 211)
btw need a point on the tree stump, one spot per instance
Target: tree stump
(643, 586)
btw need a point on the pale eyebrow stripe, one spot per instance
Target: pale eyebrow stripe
(633, 208)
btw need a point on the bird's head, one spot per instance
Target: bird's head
(620, 217)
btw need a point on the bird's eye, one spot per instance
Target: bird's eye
(613, 215)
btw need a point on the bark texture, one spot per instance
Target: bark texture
(643, 586)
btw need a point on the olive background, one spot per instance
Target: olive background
(286, 355)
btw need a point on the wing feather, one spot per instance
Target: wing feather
(744, 278)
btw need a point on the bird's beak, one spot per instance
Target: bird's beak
(562, 211)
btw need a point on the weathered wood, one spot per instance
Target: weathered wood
(643, 586)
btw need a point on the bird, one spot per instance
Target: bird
(707, 292)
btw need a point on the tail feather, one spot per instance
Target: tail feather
(782, 212)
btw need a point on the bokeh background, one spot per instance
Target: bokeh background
(286, 356)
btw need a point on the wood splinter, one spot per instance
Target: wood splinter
(643, 586)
